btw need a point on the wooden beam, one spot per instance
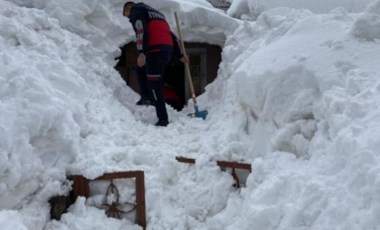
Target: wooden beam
(185, 160)
(234, 164)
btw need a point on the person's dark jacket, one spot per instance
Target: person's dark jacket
(152, 31)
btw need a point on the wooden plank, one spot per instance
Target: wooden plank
(185, 160)
(140, 200)
(80, 187)
(117, 175)
(234, 164)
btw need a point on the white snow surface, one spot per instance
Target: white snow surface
(251, 9)
(297, 96)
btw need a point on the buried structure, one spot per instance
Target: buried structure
(205, 59)
(204, 38)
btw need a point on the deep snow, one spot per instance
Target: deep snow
(297, 95)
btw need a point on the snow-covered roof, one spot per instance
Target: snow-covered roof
(200, 21)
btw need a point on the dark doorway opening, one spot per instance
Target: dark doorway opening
(204, 64)
(175, 85)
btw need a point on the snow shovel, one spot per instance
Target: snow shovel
(197, 113)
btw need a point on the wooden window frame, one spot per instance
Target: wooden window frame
(81, 188)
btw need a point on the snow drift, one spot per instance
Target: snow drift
(296, 95)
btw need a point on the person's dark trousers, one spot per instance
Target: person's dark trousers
(142, 81)
(155, 67)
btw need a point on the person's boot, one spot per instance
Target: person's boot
(144, 101)
(162, 123)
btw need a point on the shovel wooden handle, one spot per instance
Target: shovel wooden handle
(187, 67)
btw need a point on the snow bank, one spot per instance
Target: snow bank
(46, 102)
(39, 107)
(200, 21)
(251, 9)
(82, 217)
(367, 26)
(296, 96)
(102, 23)
(310, 95)
(65, 110)
(94, 21)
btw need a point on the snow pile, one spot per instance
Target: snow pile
(40, 111)
(94, 21)
(199, 20)
(310, 94)
(297, 95)
(46, 106)
(82, 216)
(251, 9)
(368, 25)
(65, 110)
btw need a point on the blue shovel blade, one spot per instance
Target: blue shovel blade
(197, 113)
